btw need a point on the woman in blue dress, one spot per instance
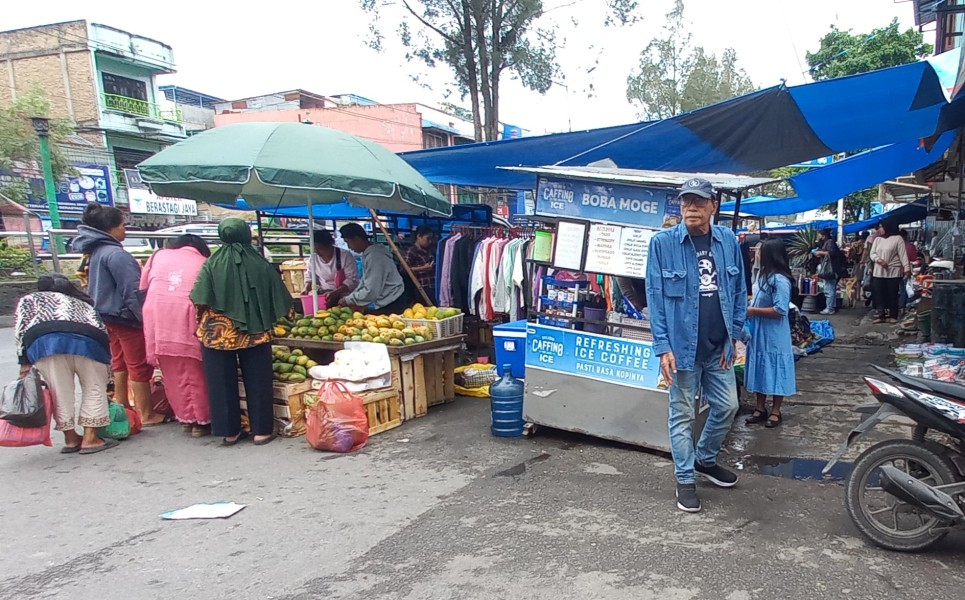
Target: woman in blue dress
(769, 369)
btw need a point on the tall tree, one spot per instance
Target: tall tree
(843, 53)
(675, 77)
(19, 142)
(482, 41)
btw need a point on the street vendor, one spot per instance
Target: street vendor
(330, 270)
(381, 290)
(422, 259)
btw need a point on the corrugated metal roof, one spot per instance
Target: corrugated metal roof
(721, 181)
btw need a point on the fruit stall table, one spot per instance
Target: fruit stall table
(423, 373)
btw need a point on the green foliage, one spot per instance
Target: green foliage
(799, 248)
(19, 142)
(844, 53)
(14, 260)
(481, 41)
(674, 77)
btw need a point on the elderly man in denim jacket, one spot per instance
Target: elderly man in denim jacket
(698, 301)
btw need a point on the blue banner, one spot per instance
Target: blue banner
(604, 358)
(650, 207)
(88, 183)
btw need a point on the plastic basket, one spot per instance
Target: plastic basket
(443, 328)
(644, 335)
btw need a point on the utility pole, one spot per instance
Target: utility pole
(41, 125)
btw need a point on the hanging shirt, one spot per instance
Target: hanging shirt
(445, 281)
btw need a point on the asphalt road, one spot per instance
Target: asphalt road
(435, 509)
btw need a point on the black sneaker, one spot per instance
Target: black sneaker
(687, 499)
(717, 475)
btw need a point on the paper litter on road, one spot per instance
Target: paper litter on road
(218, 510)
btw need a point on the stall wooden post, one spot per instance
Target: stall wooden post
(402, 261)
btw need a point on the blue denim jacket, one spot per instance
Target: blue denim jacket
(672, 290)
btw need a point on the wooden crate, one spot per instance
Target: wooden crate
(427, 379)
(287, 405)
(383, 408)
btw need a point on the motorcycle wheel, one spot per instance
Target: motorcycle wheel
(884, 519)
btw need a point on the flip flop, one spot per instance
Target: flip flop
(69, 449)
(107, 445)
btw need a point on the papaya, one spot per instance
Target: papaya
(283, 376)
(302, 360)
(298, 352)
(296, 378)
(285, 368)
(303, 322)
(300, 370)
(316, 323)
(310, 364)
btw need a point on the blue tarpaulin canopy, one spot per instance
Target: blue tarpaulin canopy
(470, 214)
(770, 128)
(908, 213)
(823, 185)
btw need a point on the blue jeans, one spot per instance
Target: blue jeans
(831, 293)
(720, 391)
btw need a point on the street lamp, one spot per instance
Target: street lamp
(41, 126)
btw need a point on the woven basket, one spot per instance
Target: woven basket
(293, 274)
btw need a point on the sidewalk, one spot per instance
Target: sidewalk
(817, 420)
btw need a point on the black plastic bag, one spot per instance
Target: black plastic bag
(22, 402)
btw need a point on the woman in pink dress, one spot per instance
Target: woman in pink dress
(169, 329)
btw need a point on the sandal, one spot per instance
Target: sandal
(107, 445)
(200, 431)
(759, 416)
(69, 449)
(163, 421)
(241, 436)
(267, 440)
(774, 420)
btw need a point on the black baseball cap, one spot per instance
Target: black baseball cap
(698, 187)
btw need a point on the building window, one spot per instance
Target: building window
(116, 85)
(128, 158)
(434, 140)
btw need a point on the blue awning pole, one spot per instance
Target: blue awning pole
(737, 210)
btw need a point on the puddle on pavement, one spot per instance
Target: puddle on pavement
(794, 468)
(517, 470)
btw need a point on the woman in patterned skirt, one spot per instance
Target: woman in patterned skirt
(239, 296)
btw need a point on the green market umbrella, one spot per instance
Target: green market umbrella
(289, 164)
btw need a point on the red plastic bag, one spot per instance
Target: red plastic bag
(12, 436)
(134, 418)
(337, 422)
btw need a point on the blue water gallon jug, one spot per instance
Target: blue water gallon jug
(506, 402)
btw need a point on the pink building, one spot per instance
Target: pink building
(398, 127)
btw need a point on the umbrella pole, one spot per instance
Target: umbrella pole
(311, 256)
(398, 254)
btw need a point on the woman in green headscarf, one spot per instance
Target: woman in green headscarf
(239, 297)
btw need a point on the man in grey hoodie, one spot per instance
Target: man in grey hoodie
(380, 290)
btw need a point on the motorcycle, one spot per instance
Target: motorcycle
(907, 494)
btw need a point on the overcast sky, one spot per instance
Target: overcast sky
(227, 51)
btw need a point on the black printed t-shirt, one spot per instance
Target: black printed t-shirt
(712, 332)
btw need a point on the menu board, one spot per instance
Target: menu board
(603, 250)
(616, 250)
(570, 239)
